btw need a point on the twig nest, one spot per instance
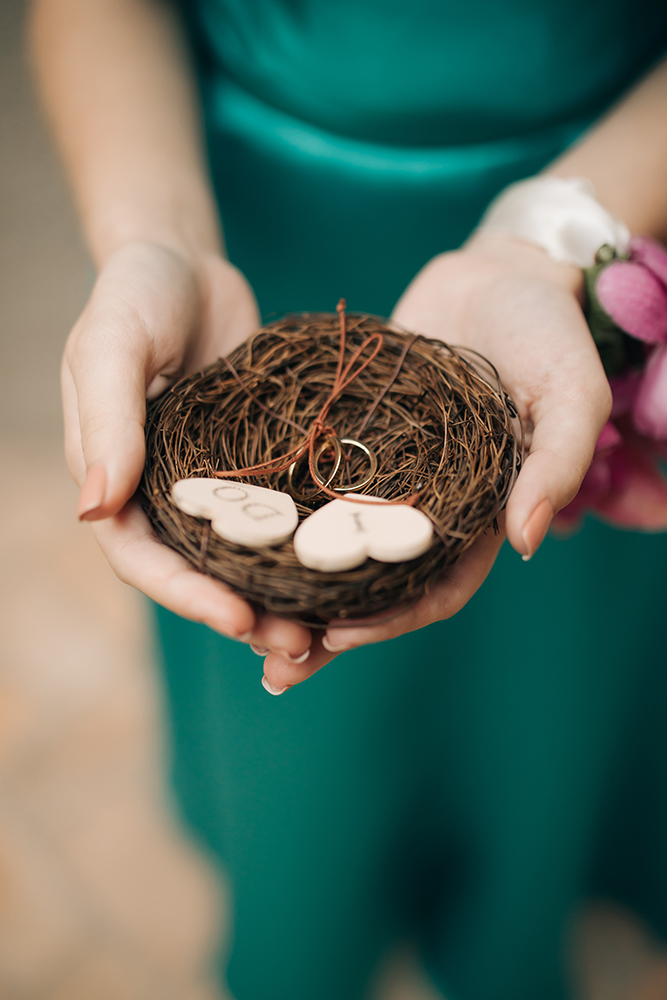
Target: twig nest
(437, 421)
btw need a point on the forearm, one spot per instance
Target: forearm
(118, 90)
(625, 156)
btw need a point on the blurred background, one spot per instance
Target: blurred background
(102, 897)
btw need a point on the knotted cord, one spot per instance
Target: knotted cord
(345, 375)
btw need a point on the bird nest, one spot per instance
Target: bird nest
(445, 434)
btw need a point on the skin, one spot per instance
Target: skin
(117, 87)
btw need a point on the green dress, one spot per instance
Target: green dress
(466, 786)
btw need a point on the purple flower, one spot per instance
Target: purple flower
(649, 411)
(651, 254)
(624, 484)
(637, 497)
(624, 390)
(633, 293)
(597, 481)
(635, 298)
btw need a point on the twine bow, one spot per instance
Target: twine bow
(345, 375)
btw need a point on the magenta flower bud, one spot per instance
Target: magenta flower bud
(649, 412)
(638, 494)
(623, 390)
(635, 300)
(597, 481)
(651, 254)
(610, 437)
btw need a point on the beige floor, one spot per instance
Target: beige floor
(101, 895)
(101, 898)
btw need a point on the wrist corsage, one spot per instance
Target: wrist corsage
(626, 309)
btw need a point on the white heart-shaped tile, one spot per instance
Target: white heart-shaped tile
(248, 515)
(341, 535)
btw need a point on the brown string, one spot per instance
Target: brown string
(319, 428)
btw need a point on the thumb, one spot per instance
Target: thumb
(136, 327)
(563, 442)
(104, 388)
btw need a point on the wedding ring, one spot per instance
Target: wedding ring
(351, 487)
(331, 442)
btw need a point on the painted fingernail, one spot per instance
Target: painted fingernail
(328, 644)
(295, 659)
(271, 689)
(92, 493)
(260, 650)
(536, 528)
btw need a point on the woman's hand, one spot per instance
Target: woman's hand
(510, 302)
(154, 315)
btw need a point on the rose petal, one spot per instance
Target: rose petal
(651, 254)
(624, 486)
(641, 502)
(569, 518)
(623, 390)
(635, 299)
(649, 412)
(594, 488)
(610, 437)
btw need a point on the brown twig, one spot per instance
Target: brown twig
(437, 418)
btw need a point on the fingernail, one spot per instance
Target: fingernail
(536, 528)
(271, 689)
(92, 493)
(260, 650)
(245, 637)
(294, 659)
(328, 644)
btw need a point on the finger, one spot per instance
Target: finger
(285, 638)
(141, 560)
(567, 423)
(447, 597)
(76, 462)
(106, 374)
(136, 326)
(280, 674)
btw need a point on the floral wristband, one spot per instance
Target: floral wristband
(560, 215)
(625, 304)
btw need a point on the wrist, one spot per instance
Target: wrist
(190, 250)
(560, 215)
(183, 220)
(518, 257)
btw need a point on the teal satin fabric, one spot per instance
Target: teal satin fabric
(467, 785)
(310, 216)
(432, 72)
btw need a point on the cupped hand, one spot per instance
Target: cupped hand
(154, 315)
(511, 303)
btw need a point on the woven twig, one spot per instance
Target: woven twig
(441, 430)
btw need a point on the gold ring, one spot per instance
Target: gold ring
(372, 462)
(327, 443)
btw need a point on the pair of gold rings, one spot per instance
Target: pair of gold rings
(337, 445)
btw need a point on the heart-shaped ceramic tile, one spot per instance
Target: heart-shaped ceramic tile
(341, 535)
(248, 515)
